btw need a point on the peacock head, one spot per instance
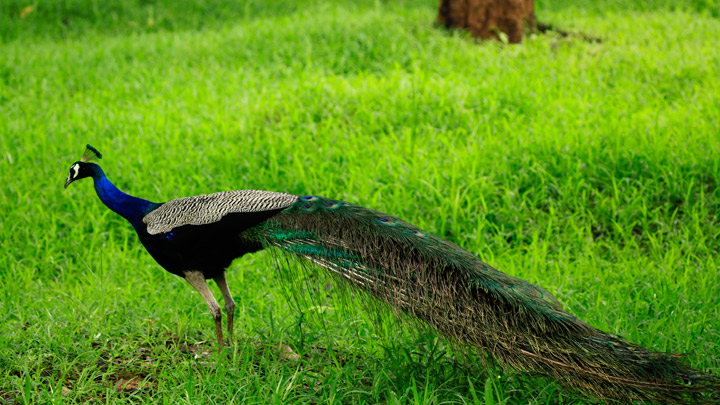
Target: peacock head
(82, 168)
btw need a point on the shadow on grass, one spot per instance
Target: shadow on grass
(50, 19)
(194, 370)
(59, 20)
(603, 6)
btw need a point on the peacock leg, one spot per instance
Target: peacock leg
(197, 280)
(221, 281)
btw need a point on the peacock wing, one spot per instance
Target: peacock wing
(210, 208)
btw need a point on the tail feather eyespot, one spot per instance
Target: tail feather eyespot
(308, 207)
(387, 221)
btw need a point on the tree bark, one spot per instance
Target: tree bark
(487, 18)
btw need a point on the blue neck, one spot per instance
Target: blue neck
(131, 208)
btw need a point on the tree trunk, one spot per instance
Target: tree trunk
(487, 18)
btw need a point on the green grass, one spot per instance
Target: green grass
(590, 169)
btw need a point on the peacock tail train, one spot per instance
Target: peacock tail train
(522, 325)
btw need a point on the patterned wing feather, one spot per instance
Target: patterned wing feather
(209, 208)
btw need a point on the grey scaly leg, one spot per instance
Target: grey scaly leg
(197, 280)
(221, 281)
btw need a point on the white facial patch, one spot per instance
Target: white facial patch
(74, 171)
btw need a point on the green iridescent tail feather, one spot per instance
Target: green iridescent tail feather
(522, 325)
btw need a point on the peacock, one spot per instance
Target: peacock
(522, 326)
